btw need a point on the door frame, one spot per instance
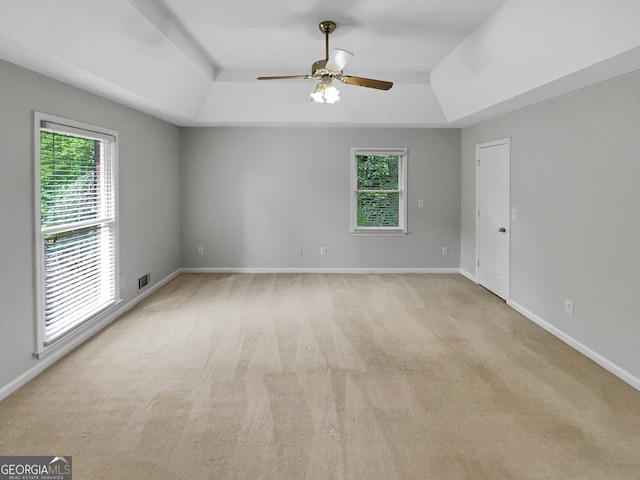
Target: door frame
(494, 143)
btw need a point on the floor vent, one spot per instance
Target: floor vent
(143, 281)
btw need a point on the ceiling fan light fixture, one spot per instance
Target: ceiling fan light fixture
(331, 95)
(325, 92)
(318, 93)
(330, 68)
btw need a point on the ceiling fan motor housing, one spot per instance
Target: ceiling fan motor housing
(319, 65)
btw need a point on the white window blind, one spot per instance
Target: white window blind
(78, 226)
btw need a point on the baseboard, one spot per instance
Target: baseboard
(319, 270)
(47, 359)
(605, 363)
(468, 275)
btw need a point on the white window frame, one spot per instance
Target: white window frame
(403, 157)
(43, 344)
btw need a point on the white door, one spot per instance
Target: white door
(493, 229)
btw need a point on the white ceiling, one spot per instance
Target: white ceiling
(195, 62)
(400, 35)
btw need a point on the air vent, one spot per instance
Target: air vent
(143, 281)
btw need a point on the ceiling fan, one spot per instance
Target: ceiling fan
(330, 68)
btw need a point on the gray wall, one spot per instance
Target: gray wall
(252, 196)
(575, 180)
(149, 197)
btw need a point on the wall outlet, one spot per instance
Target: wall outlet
(323, 250)
(445, 250)
(299, 252)
(420, 203)
(200, 251)
(568, 307)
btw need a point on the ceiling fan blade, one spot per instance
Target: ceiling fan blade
(338, 59)
(367, 82)
(284, 77)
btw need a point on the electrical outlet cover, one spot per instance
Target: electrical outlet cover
(568, 307)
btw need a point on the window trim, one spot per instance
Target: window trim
(401, 230)
(51, 122)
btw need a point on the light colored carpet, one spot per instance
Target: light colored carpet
(303, 376)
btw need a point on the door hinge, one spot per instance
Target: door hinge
(478, 162)
(478, 262)
(478, 213)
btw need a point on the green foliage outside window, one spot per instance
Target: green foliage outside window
(67, 176)
(378, 192)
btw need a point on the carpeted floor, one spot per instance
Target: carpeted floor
(304, 376)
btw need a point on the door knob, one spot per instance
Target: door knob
(502, 229)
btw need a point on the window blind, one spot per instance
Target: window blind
(78, 226)
(78, 277)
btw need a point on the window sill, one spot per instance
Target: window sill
(80, 333)
(378, 233)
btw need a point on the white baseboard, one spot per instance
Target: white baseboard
(605, 363)
(46, 359)
(319, 270)
(468, 275)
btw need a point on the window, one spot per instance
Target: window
(77, 224)
(378, 181)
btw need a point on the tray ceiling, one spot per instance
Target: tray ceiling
(195, 62)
